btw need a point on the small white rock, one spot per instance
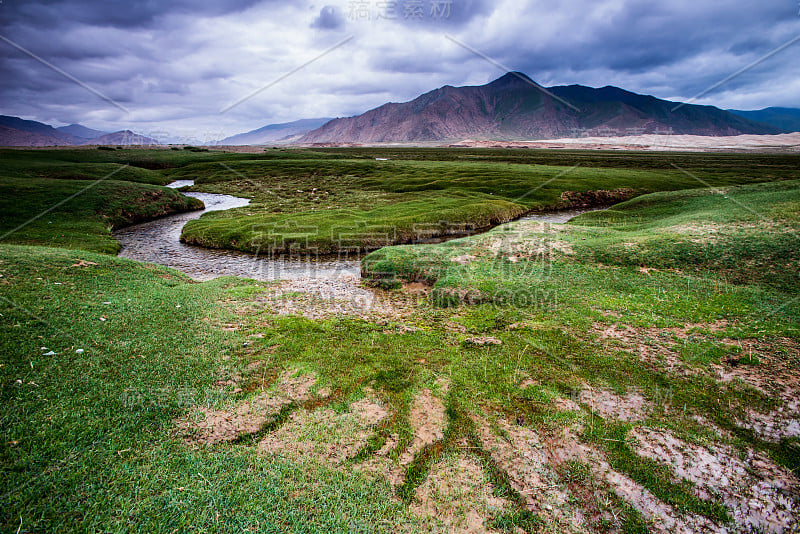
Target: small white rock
(79, 351)
(45, 348)
(177, 305)
(102, 318)
(51, 353)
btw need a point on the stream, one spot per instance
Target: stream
(158, 241)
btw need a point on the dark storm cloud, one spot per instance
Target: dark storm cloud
(329, 19)
(181, 61)
(116, 13)
(417, 14)
(643, 37)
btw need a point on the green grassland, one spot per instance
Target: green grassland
(329, 195)
(74, 213)
(742, 234)
(87, 439)
(86, 436)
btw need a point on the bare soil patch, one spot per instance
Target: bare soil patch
(208, 426)
(324, 436)
(326, 299)
(759, 494)
(428, 420)
(629, 407)
(772, 366)
(457, 497)
(566, 448)
(521, 454)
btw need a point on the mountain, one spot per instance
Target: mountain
(78, 130)
(14, 137)
(122, 138)
(20, 132)
(514, 107)
(783, 118)
(275, 133)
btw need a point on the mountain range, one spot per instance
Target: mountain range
(20, 132)
(510, 108)
(282, 133)
(783, 118)
(514, 107)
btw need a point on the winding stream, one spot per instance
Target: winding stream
(557, 217)
(158, 241)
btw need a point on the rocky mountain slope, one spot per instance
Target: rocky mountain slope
(514, 107)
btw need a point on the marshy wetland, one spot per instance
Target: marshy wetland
(633, 369)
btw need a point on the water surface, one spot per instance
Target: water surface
(158, 242)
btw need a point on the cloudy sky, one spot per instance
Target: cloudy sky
(184, 69)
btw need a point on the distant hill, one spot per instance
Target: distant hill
(122, 138)
(275, 133)
(784, 118)
(20, 132)
(513, 107)
(78, 130)
(14, 137)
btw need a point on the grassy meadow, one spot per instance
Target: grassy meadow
(320, 202)
(532, 378)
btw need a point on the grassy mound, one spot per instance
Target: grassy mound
(354, 230)
(739, 234)
(79, 214)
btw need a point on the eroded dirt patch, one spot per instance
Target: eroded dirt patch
(325, 299)
(520, 453)
(208, 426)
(325, 436)
(566, 448)
(771, 366)
(610, 405)
(758, 494)
(457, 497)
(428, 420)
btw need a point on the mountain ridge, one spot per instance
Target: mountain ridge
(780, 117)
(280, 133)
(79, 130)
(15, 131)
(514, 107)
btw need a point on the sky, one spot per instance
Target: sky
(199, 70)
